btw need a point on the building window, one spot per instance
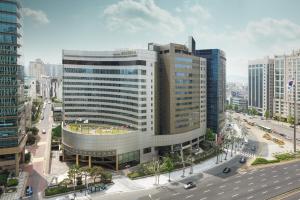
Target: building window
(147, 150)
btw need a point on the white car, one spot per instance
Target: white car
(189, 185)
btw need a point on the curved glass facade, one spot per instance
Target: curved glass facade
(10, 74)
(109, 88)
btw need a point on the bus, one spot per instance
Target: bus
(267, 129)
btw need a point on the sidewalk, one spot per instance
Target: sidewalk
(20, 188)
(124, 184)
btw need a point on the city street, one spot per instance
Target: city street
(39, 167)
(279, 127)
(257, 184)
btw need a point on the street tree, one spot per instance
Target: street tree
(169, 165)
(267, 114)
(210, 135)
(96, 172)
(290, 119)
(73, 172)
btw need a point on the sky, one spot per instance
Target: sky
(244, 29)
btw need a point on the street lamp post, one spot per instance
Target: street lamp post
(295, 109)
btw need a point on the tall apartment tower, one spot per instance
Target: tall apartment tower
(216, 87)
(12, 134)
(182, 89)
(261, 85)
(286, 68)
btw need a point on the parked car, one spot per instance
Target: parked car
(253, 148)
(189, 185)
(28, 191)
(44, 131)
(242, 159)
(226, 170)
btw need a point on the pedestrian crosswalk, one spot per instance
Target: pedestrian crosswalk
(248, 154)
(245, 153)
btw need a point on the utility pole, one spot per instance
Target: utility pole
(295, 109)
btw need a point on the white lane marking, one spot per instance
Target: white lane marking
(285, 173)
(234, 195)
(262, 170)
(250, 197)
(236, 188)
(274, 171)
(264, 192)
(297, 169)
(276, 181)
(250, 190)
(295, 165)
(203, 198)
(187, 197)
(277, 187)
(222, 186)
(250, 178)
(174, 194)
(275, 176)
(237, 182)
(250, 184)
(285, 167)
(265, 185)
(263, 179)
(290, 183)
(210, 184)
(298, 174)
(287, 178)
(220, 193)
(206, 191)
(262, 174)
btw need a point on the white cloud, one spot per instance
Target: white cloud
(260, 38)
(199, 11)
(141, 15)
(38, 16)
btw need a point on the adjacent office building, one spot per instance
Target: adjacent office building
(239, 101)
(261, 85)
(125, 107)
(286, 68)
(216, 87)
(12, 134)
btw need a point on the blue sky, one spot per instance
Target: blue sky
(244, 29)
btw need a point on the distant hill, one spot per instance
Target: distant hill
(237, 79)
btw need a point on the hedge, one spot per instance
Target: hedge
(259, 161)
(61, 189)
(12, 182)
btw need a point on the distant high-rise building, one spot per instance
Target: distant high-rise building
(36, 69)
(216, 87)
(261, 85)
(286, 68)
(12, 120)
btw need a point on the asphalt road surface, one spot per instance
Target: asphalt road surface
(258, 184)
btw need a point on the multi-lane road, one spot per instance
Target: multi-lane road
(258, 184)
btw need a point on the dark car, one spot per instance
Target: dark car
(226, 170)
(242, 159)
(253, 148)
(28, 191)
(189, 185)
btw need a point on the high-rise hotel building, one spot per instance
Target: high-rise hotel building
(286, 68)
(126, 107)
(261, 85)
(12, 135)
